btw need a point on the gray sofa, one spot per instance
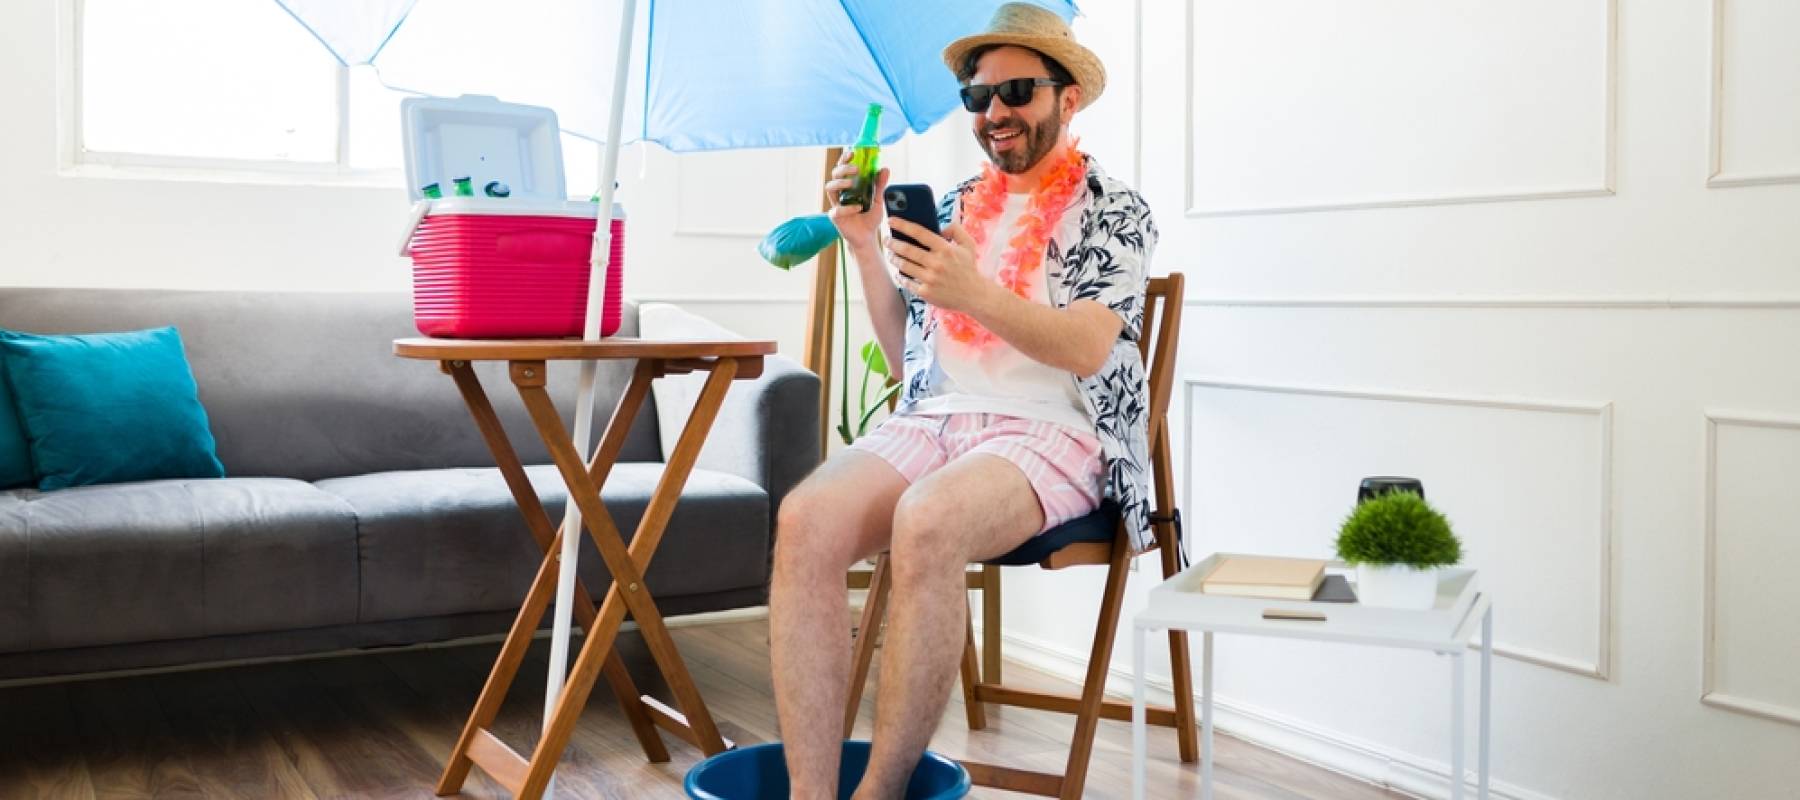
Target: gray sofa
(360, 506)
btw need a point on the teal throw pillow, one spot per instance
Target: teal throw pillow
(109, 407)
(15, 451)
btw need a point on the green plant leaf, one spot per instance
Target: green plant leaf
(862, 427)
(873, 359)
(1398, 528)
(796, 241)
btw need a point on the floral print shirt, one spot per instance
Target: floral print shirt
(1109, 263)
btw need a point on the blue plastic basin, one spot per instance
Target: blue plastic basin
(759, 772)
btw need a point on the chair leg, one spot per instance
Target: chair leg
(1093, 687)
(990, 624)
(868, 632)
(1186, 736)
(977, 713)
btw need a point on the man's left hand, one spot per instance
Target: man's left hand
(943, 272)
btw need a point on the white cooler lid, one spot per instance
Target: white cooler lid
(484, 139)
(516, 207)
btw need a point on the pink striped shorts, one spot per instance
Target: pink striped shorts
(1063, 465)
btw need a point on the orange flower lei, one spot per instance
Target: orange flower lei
(983, 202)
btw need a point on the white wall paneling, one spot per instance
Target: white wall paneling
(1751, 662)
(1298, 106)
(1641, 306)
(1527, 485)
(1112, 128)
(726, 194)
(1755, 93)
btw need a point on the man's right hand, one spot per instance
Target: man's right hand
(861, 230)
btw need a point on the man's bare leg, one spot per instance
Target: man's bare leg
(841, 514)
(978, 506)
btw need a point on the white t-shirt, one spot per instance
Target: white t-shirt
(997, 378)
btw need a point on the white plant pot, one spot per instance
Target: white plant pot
(1396, 586)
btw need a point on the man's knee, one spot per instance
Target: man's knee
(926, 538)
(796, 509)
(804, 535)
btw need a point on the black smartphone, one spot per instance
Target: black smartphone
(914, 203)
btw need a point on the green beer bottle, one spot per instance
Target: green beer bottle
(431, 191)
(866, 157)
(465, 186)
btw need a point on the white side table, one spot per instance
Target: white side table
(1177, 604)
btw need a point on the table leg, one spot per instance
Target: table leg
(1206, 716)
(697, 725)
(1457, 776)
(1487, 692)
(1139, 747)
(538, 523)
(626, 564)
(493, 690)
(477, 745)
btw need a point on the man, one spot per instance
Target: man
(1023, 403)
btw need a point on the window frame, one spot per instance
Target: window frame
(76, 160)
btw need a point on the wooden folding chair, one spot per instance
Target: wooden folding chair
(1096, 539)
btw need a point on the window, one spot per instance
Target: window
(224, 83)
(238, 86)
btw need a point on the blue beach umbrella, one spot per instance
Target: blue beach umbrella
(700, 74)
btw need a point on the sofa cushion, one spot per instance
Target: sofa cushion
(160, 560)
(451, 541)
(15, 586)
(108, 407)
(15, 451)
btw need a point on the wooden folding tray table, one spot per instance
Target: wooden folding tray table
(527, 359)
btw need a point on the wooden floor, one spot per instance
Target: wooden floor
(380, 725)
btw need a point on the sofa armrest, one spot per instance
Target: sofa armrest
(767, 430)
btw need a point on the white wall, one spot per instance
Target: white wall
(1483, 243)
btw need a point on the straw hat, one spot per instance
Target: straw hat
(1040, 29)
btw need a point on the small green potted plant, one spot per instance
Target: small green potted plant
(1397, 542)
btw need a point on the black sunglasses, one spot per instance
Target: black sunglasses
(977, 97)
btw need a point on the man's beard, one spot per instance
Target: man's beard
(1038, 141)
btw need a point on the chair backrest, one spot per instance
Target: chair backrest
(1161, 335)
(1157, 343)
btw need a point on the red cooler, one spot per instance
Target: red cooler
(489, 267)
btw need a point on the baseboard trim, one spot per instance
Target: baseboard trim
(1346, 755)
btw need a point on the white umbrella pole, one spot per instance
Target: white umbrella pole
(601, 258)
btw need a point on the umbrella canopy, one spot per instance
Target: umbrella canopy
(705, 75)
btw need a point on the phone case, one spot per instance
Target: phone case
(915, 203)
